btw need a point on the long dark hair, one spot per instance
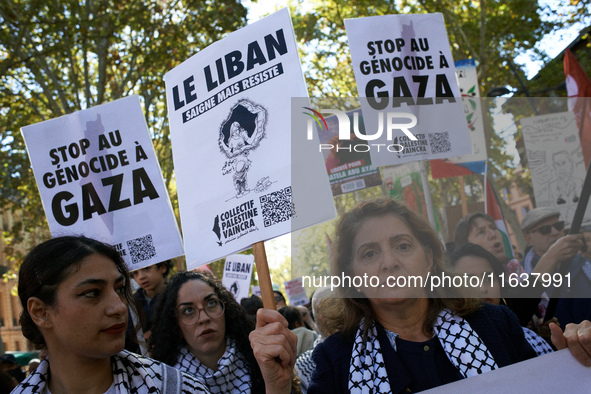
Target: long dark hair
(357, 308)
(167, 339)
(48, 264)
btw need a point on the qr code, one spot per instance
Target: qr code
(141, 249)
(277, 207)
(439, 142)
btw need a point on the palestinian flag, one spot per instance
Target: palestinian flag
(493, 209)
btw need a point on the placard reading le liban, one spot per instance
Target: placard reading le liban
(237, 274)
(98, 175)
(403, 65)
(230, 108)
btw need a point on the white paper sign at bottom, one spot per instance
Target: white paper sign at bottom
(557, 372)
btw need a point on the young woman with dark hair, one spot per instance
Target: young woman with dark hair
(201, 329)
(74, 292)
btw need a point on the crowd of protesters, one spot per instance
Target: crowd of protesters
(187, 333)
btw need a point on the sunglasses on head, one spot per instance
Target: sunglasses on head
(545, 230)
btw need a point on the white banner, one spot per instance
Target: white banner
(557, 372)
(230, 108)
(237, 274)
(555, 162)
(98, 175)
(404, 63)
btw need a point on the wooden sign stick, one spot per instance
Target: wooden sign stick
(260, 260)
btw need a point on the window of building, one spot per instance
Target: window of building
(505, 193)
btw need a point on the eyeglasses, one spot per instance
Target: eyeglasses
(189, 314)
(545, 230)
(279, 298)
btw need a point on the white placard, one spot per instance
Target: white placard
(556, 162)
(98, 175)
(229, 108)
(237, 274)
(256, 290)
(408, 57)
(296, 292)
(557, 372)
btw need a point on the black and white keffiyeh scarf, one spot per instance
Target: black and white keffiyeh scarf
(232, 375)
(537, 343)
(304, 368)
(132, 374)
(527, 261)
(462, 345)
(587, 269)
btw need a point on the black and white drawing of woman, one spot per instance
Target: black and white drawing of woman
(238, 137)
(240, 134)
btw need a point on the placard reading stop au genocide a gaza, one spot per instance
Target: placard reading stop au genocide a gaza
(98, 175)
(403, 65)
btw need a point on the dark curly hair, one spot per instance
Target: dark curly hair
(167, 339)
(48, 265)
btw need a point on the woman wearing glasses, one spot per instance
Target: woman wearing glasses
(200, 329)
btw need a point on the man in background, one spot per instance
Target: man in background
(152, 281)
(544, 233)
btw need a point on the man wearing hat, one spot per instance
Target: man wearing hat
(544, 233)
(541, 229)
(9, 365)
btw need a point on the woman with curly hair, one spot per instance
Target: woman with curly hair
(202, 330)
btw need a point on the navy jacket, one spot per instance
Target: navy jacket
(497, 326)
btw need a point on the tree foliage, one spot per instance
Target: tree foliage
(310, 246)
(492, 32)
(58, 57)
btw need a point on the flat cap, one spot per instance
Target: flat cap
(536, 215)
(8, 358)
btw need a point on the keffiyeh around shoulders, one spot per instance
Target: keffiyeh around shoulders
(462, 345)
(131, 374)
(232, 375)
